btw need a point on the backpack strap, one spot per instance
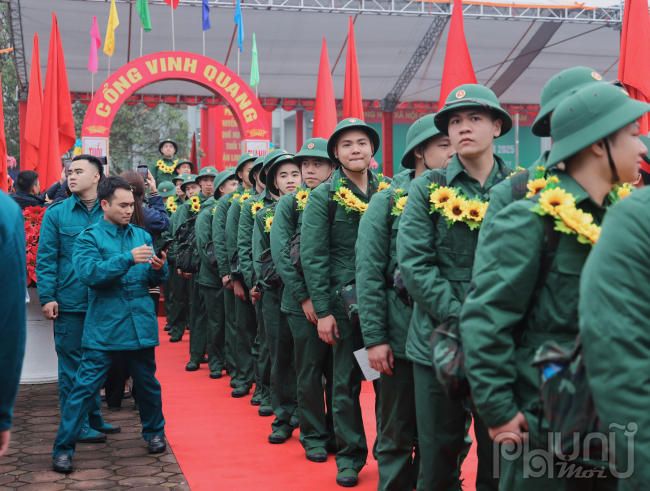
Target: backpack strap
(519, 182)
(439, 177)
(331, 207)
(295, 210)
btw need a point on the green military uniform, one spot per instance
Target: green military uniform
(512, 288)
(313, 357)
(156, 168)
(555, 91)
(328, 259)
(614, 311)
(436, 265)
(167, 190)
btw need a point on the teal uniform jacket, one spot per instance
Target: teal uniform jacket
(614, 310)
(219, 230)
(384, 317)
(286, 224)
(327, 249)
(501, 377)
(57, 280)
(208, 274)
(14, 314)
(436, 263)
(245, 235)
(121, 313)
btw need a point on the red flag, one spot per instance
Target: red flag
(325, 107)
(57, 127)
(172, 3)
(633, 67)
(34, 111)
(352, 102)
(3, 151)
(193, 158)
(458, 69)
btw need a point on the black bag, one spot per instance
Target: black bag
(212, 255)
(294, 254)
(348, 296)
(188, 260)
(400, 289)
(270, 275)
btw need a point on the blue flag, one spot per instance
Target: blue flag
(240, 24)
(206, 15)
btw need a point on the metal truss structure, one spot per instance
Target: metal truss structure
(19, 48)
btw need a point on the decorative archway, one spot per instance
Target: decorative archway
(175, 65)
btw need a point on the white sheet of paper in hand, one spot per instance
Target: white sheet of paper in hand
(362, 358)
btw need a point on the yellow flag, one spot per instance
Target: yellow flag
(113, 22)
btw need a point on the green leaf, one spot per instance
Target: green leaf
(560, 226)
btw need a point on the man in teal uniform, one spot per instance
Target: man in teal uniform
(555, 91)
(113, 259)
(436, 243)
(167, 167)
(14, 320)
(282, 176)
(63, 297)
(329, 233)
(219, 221)
(198, 322)
(384, 317)
(313, 357)
(167, 190)
(531, 287)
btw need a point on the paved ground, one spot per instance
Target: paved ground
(122, 463)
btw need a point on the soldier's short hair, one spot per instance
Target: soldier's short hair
(108, 185)
(25, 180)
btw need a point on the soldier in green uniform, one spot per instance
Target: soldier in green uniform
(555, 91)
(530, 289)
(384, 317)
(436, 243)
(167, 190)
(219, 221)
(261, 355)
(329, 233)
(197, 322)
(167, 167)
(313, 358)
(282, 176)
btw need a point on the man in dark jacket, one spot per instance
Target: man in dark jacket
(28, 188)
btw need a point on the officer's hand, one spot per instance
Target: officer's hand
(310, 313)
(51, 310)
(225, 281)
(515, 431)
(239, 290)
(142, 254)
(157, 262)
(5, 436)
(380, 358)
(327, 329)
(255, 293)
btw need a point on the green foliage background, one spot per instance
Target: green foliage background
(9, 84)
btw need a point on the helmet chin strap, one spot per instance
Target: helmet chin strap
(355, 171)
(424, 159)
(612, 165)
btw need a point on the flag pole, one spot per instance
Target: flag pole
(109, 66)
(141, 31)
(173, 40)
(92, 85)
(203, 43)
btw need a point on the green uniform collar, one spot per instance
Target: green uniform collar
(339, 175)
(570, 185)
(455, 167)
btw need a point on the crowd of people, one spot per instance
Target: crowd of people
(507, 298)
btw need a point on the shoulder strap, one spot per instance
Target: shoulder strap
(294, 209)
(331, 206)
(519, 182)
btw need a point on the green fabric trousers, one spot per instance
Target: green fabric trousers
(442, 426)
(198, 324)
(246, 332)
(397, 432)
(283, 371)
(348, 422)
(230, 332)
(314, 363)
(264, 357)
(214, 322)
(180, 307)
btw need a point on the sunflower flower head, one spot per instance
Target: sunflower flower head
(554, 179)
(255, 207)
(302, 195)
(344, 193)
(244, 197)
(624, 191)
(440, 196)
(575, 218)
(455, 209)
(383, 185)
(535, 186)
(196, 207)
(401, 202)
(476, 210)
(553, 199)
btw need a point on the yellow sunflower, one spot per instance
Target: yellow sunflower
(255, 207)
(401, 202)
(455, 209)
(535, 186)
(540, 168)
(476, 210)
(352, 201)
(624, 192)
(441, 195)
(552, 199)
(399, 191)
(554, 179)
(235, 196)
(345, 193)
(362, 207)
(173, 208)
(244, 197)
(195, 200)
(269, 222)
(575, 219)
(196, 208)
(302, 195)
(592, 232)
(383, 185)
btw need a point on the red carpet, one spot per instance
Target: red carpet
(221, 442)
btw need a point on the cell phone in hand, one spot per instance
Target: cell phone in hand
(67, 163)
(143, 170)
(164, 248)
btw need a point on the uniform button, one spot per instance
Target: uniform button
(89, 222)
(124, 248)
(133, 310)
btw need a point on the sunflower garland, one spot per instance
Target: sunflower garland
(399, 200)
(171, 204)
(268, 221)
(167, 169)
(301, 198)
(348, 200)
(195, 205)
(255, 207)
(456, 207)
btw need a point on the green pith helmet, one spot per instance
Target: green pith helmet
(269, 159)
(179, 177)
(257, 166)
(314, 147)
(168, 140)
(185, 161)
(646, 142)
(557, 89)
(245, 157)
(419, 132)
(223, 176)
(351, 124)
(190, 179)
(166, 189)
(273, 168)
(207, 172)
(472, 95)
(589, 115)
